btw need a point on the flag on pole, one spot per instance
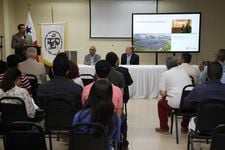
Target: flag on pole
(30, 28)
(52, 41)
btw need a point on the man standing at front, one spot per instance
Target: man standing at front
(171, 85)
(20, 40)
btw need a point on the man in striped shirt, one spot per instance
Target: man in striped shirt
(13, 61)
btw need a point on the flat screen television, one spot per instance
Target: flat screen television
(166, 32)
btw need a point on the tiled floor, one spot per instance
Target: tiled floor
(142, 120)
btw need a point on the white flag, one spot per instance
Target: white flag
(30, 29)
(52, 41)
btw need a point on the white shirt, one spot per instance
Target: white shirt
(191, 71)
(24, 95)
(79, 82)
(128, 59)
(173, 82)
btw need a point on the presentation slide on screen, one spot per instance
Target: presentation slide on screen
(166, 32)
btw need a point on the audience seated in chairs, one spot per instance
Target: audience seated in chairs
(115, 77)
(100, 109)
(31, 66)
(9, 88)
(60, 87)
(184, 63)
(212, 89)
(113, 59)
(13, 61)
(170, 91)
(74, 74)
(220, 57)
(103, 68)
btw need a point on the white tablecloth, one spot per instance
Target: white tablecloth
(146, 79)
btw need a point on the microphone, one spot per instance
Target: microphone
(24, 36)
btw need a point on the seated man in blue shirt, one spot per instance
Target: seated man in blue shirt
(212, 89)
(92, 58)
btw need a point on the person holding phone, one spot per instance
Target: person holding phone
(220, 57)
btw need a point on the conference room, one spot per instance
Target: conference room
(73, 26)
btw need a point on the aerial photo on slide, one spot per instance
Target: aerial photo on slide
(152, 42)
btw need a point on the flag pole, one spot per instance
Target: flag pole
(52, 13)
(28, 7)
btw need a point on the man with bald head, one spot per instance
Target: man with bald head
(31, 66)
(92, 58)
(130, 58)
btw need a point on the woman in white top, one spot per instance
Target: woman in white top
(9, 88)
(74, 73)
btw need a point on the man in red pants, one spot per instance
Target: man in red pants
(171, 84)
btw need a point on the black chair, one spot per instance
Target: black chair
(210, 115)
(181, 112)
(34, 86)
(93, 138)
(192, 79)
(87, 78)
(218, 138)
(59, 115)
(24, 136)
(11, 112)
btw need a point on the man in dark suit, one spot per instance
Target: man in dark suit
(60, 86)
(113, 59)
(20, 40)
(129, 58)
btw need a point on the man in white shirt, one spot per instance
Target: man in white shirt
(184, 63)
(31, 66)
(171, 85)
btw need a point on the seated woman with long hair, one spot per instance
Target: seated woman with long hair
(9, 88)
(74, 73)
(100, 109)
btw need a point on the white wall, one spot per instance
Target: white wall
(76, 14)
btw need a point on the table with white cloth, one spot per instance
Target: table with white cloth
(146, 79)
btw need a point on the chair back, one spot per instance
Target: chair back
(218, 138)
(33, 79)
(87, 78)
(13, 109)
(25, 136)
(59, 113)
(34, 85)
(184, 111)
(186, 90)
(210, 115)
(86, 136)
(192, 79)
